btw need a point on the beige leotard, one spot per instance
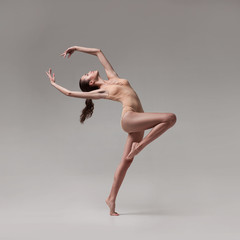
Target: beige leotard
(120, 90)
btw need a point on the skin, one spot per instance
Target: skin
(135, 123)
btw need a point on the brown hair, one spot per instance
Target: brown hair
(88, 110)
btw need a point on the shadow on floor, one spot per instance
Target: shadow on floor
(159, 212)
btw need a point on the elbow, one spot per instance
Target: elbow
(98, 51)
(68, 93)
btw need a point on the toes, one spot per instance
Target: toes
(114, 214)
(129, 157)
(133, 151)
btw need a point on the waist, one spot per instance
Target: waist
(129, 108)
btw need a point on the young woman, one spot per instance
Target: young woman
(133, 119)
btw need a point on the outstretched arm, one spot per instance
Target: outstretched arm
(96, 94)
(52, 81)
(61, 89)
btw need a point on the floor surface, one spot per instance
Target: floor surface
(73, 207)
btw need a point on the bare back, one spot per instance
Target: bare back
(120, 90)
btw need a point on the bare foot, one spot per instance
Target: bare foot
(111, 205)
(134, 150)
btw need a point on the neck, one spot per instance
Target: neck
(100, 82)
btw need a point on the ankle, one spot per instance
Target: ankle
(140, 145)
(111, 199)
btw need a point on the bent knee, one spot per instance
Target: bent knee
(172, 119)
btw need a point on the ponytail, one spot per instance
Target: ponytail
(87, 111)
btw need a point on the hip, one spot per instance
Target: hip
(127, 109)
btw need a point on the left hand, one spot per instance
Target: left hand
(52, 78)
(69, 51)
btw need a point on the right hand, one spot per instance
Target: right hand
(69, 51)
(52, 78)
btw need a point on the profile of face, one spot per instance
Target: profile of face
(92, 76)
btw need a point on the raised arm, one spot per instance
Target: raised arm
(71, 50)
(97, 52)
(107, 66)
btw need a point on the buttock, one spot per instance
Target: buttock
(122, 118)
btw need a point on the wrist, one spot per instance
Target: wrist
(77, 48)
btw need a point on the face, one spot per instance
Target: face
(92, 75)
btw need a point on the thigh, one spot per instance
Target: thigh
(132, 137)
(140, 121)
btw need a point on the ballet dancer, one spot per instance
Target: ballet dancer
(134, 121)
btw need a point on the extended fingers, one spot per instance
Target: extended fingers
(63, 54)
(68, 51)
(49, 73)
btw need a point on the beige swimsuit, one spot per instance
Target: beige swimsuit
(126, 109)
(122, 91)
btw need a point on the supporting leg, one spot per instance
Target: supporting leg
(118, 179)
(121, 170)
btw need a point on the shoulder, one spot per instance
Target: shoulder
(124, 81)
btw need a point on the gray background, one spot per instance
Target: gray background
(180, 56)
